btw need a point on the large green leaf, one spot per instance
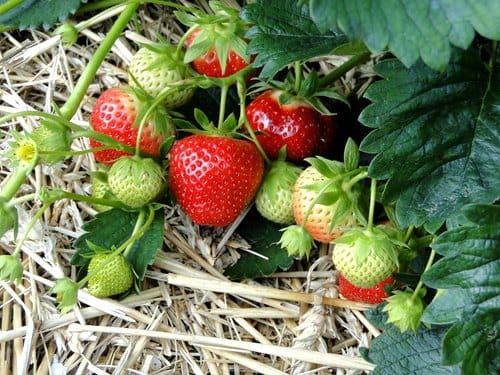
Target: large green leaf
(111, 228)
(283, 32)
(409, 353)
(411, 29)
(437, 136)
(469, 275)
(35, 13)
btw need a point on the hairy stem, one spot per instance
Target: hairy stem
(73, 102)
(242, 93)
(344, 68)
(421, 283)
(371, 212)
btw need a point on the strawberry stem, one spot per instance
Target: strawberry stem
(298, 76)
(420, 282)
(222, 105)
(73, 102)
(344, 68)
(242, 94)
(373, 194)
(15, 181)
(125, 247)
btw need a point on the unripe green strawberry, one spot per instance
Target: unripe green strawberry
(155, 68)
(274, 198)
(320, 218)
(135, 181)
(365, 257)
(110, 274)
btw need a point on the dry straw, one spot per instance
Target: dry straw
(189, 319)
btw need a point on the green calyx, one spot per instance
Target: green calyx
(275, 196)
(11, 268)
(281, 175)
(297, 241)
(66, 291)
(223, 31)
(368, 242)
(24, 152)
(404, 309)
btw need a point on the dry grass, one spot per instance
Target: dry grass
(189, 319)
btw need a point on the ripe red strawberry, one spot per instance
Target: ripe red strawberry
(114, 114)
(209, 62)
(214, 177)
(156, 68)
(375, 294)
(297, 125)
(319, 219)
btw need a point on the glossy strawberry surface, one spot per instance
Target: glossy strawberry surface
(213, 177)
(302, 129)
(114, 114)
(374, 295)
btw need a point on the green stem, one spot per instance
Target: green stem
(24, 198)
(408, 233)
(371, 212)
(98, 5)
(222, 105)
(61, 194)
(242, 93)
(16, 179)
(138, 232)
(76, 97)
(344, 68)
(5, 7)
(421, 283)
(298, 76)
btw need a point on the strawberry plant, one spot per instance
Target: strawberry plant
(427, 126)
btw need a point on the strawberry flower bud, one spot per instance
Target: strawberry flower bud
(67, 294)
(11, 268)
(404, 310)
(296, 240)
(51, 137)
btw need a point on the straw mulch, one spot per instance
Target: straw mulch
(189, 319)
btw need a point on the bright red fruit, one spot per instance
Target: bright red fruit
(208, 64)
(374, 295)
(305, 131)
(214, 177)
(114, 114)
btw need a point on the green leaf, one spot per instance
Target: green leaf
(424, 29)
(476, 343)
(36, 13)
(468, 273)
(437, 137)
(409, 353)
(263, 236)
(283, 32)
(111, 228)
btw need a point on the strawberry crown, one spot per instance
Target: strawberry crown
(223, 31)
(305, 88)
(377, 241)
